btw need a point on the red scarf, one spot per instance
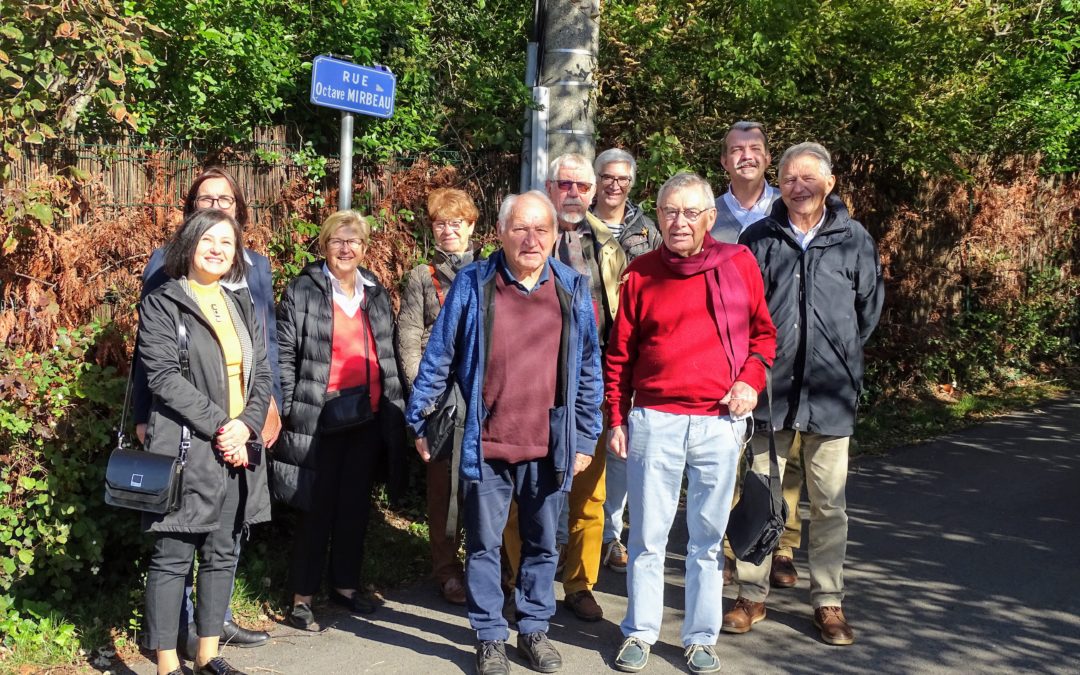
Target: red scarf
(727, 291)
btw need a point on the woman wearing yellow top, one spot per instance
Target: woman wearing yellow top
(221, 401)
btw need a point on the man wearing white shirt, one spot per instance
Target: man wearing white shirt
(745, 157)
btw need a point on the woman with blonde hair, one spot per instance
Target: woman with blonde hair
(342, 405)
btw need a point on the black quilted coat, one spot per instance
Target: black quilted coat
(305, 329)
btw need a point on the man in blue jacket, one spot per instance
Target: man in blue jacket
(517, 334)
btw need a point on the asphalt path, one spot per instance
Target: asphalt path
(963, 557)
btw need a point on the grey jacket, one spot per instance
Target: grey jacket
(639, 233)
(201, 403)
(420, 307)
(825, 302)
(305, 324)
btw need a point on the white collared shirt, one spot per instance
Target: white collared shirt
(347, 304)
(759, 210)
(804, 239)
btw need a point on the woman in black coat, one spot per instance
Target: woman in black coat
(221, 403)
(343, 410)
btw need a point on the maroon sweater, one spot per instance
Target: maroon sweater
(665, 351)
(521, 371)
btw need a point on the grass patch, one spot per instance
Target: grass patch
(900, 421)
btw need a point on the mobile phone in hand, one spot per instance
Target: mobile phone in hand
(254, 454)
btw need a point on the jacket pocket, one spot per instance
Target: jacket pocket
(560, 441)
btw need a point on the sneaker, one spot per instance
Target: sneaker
(701, 659)
(584, 605)
(833, 626)
(615, 557)
(491, 658)
(632, 656)
(542, 655)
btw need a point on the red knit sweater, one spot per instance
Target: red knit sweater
(665, 351)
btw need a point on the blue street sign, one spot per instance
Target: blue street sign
(347, 86)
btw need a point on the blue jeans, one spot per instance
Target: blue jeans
(532, 485)
(615, 503)
(661, 445)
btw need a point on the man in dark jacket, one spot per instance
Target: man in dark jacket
(616, 171)
(824, 288)
(518, 334)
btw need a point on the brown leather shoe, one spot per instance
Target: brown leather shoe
(453, 591)
(584, 606)
(729, 571)
(834, 627)
(743, 615)
(783, 574)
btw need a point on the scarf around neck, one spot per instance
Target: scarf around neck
(727, 292)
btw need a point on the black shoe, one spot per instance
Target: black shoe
(218, 666)
(178, 671)
(541, 653)
(232, 634)
(358, 603)
(187, 642)
(301, 616)
(491, 658)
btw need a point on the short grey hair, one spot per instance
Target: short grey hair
(508, 207)
(684, 180)
(571, 159)
(614, 156)
(815, 150)
(745, 125)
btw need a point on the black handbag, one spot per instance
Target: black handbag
(757, 520)
(446, 418)
(350, 408)
(147, 481)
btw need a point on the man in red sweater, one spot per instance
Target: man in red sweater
(684, 351)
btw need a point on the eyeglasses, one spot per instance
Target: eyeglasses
(565, 185)
(691, 215)
(621, 181)
(448, 224)
(210, 201)
(340, 243)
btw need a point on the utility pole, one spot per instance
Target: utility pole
(567, 49)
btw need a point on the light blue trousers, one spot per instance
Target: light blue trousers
(661, 446)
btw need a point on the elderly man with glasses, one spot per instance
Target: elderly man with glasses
(686, 359)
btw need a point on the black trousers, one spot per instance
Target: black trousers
(340, 508)
(171, 561)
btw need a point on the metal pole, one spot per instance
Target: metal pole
(345, 175)
(531, 66)
(539, 150)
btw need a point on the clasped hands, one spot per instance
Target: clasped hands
(231, 441)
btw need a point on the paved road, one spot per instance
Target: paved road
(963, 558)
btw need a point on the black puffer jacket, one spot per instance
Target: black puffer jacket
(201, 403)
(305, 332)
(825, 303)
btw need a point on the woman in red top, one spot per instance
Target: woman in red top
(343, 412)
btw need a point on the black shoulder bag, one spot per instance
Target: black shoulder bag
(757, 521)
(146, 481)
(349, 408)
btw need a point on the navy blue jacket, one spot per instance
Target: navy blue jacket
(457, 348)
(261, 285)
(825, 302)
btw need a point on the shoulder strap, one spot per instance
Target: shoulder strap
(185, 371)
(774, 462)
(121, 440)
(438, 286)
